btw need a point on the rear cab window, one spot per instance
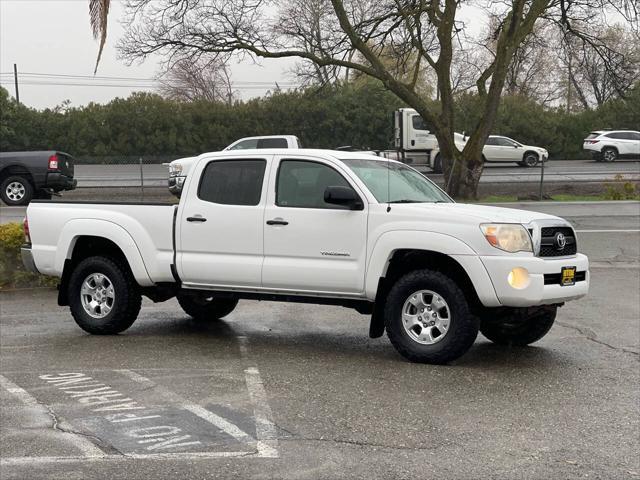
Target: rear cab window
(273, 143)
(232, 182)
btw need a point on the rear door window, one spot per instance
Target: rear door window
(246, 144)
(616, 135)
(232, 182)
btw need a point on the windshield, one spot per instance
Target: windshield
(396, 183)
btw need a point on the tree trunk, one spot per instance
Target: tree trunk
(462, 170)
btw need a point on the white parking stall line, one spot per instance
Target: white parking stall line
(12, 461)
(88, 449)
(224, 425)
(266, 432)
(631, 230)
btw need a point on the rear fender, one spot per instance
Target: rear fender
(105, 229)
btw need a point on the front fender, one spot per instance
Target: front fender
(389, 242)
(75, 229)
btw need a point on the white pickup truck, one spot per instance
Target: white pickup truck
(315, 226)
(179, 168)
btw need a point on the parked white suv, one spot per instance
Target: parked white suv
(321, 227)
(504, 149)
(608, 145)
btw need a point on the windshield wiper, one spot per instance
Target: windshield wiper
(406, 201)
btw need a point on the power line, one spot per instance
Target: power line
(135, 79)
(120, 85)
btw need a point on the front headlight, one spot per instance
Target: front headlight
(175, 169)
(509, 237)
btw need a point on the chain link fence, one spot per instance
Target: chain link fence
(144, 178)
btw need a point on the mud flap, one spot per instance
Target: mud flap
(376, 327)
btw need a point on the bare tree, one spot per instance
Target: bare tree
(204, 79)
(602, 70)
(360, 35)
(534, 68)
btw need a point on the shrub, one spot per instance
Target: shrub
(621, 191)
(12, 272)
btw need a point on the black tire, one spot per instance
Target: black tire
(437, 164)
(126, 303)
(21, 194)
(530, 159)
(463, 325)
(609, 154)
(518, 326)
(203, 308)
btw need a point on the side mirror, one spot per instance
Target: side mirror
(344, 196)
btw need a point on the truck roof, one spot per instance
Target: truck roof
(337, 154)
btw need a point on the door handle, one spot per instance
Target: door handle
(277, 221)
(196, 219)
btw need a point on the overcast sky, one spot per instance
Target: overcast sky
(54, 37)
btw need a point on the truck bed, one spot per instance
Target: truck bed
(143, 230)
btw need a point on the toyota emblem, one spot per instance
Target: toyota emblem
(560, 241)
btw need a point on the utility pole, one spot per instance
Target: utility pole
(15, 79)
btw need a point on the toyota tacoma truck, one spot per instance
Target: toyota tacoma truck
(322, 227)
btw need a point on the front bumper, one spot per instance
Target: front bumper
(27, 258)
(57, 182)
(175, 185)
(534, 291)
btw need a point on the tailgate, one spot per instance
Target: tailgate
(65, 164)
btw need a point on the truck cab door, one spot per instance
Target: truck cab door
(309, 244)
(219, 225)
(419, 136)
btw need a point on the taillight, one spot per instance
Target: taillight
(592, 141)
(25, 226)
(53, 162)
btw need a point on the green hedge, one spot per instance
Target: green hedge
(359, 114)
(12, 272)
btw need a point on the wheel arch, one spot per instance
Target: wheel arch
(466, 270)
(95, 239)
(403, 261)
(16, 169)
(612, 147)
(527, 152)
(84, 246)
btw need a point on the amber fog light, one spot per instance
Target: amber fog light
(519, 278)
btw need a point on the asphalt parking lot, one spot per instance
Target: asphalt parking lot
(300, 391)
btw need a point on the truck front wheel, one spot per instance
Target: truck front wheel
(427, 318)
(104, 298)
(202, 307)
(518, 326)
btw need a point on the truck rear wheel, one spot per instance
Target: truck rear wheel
(427, 318)
(518, 326)
(103, 296)
(202, 307)
(16, 190)
(437, 164)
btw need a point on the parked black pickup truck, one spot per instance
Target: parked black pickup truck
(27, 175)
